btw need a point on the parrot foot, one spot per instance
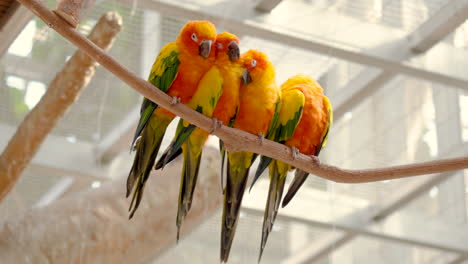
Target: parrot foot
(216, 124)
(175, 100)
(261, 138)
(315, 159)
(294, 152)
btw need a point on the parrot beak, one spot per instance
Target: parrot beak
(233, 51)
(204, 48)
(246, 79)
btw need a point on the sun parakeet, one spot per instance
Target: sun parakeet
(217, 96)
(319, 115)
(258, 109)
(303, 122)
(177, 71)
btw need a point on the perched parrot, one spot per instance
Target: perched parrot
(258, 111)
(303, 123)
(177, 71)
(217, 96)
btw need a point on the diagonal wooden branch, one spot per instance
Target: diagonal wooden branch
(61, 93)
(236, 139)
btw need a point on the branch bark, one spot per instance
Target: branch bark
(240, 140)
(93, 227)
(62, 92)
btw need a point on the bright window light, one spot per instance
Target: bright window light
(71, 139)
(430, 137)
(15, 82)
(464, 116)
(23, 44)
(434, 192)
(34, 93)
(95, 184)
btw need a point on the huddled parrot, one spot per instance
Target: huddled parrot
(217, 96)
(258, 111)
(303, 124)
(177, 71)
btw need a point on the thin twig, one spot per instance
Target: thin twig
(234, 137)
(60, 95)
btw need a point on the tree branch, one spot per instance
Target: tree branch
(233, 137)
(61, 93)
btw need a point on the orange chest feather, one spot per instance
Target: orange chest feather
(190, 72)
(309, 131)
(227, 105)
(256, 109)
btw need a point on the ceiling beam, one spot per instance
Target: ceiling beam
(267, 32)
(439, 25)
(354, 225)
(320, 248)
(267, 5)
(458, 260)
(331, 242)
(362, 86)
(422, 39)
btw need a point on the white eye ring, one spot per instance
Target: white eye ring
(253, 63)
(194, 37)
(219, 46)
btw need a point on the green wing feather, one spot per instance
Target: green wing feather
(274, 120)
(162, 75)
(287, 119)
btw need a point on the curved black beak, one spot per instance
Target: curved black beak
(233, 51)
(204, 48)
(246, 79)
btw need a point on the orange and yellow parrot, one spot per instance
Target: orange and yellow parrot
(303, 124)
(177, 71)
(217, 96)
(258, 110)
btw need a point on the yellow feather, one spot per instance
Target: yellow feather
(299, 79)
(292, 101)
(330, 120)
(208, 92)
(158, 66)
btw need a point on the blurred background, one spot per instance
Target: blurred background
(396, 74)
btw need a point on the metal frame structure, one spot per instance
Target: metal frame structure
(383, 66)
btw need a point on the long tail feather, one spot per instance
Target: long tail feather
(139, 188)
(191, 168)
(146, 153)
(264, 163)
(160, 164)
(299, 179)
(147, 109)
(235, 187)
(175, 147)
(275, 193)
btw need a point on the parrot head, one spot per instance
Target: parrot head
(299, 79)
(227, 44)
(198, 37)
(256, 65)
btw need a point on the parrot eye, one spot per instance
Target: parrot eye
(219, 46)
(194, 37)
(253, 63)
